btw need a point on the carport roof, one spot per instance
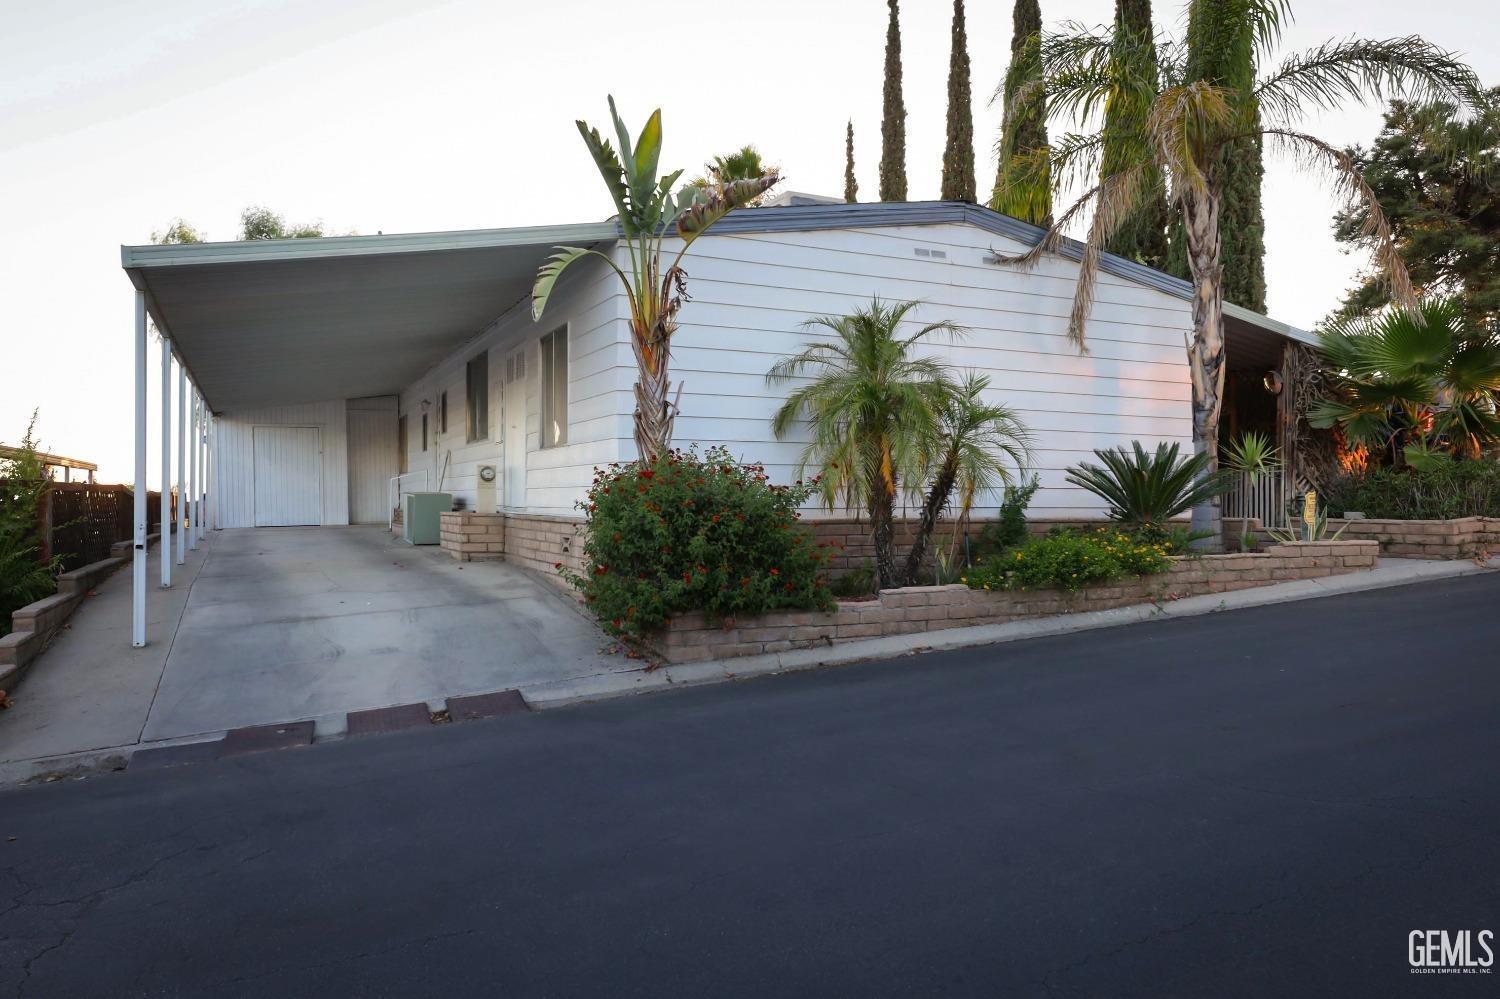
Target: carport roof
(279, 322)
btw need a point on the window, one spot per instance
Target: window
(442, 414)
(555, 388)
(424, 431)
(477, 397)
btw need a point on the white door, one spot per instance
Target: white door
(288, 476)
(373, 460)
(513, 411)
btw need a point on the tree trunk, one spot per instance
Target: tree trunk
(937, 499)
(882, 529)
(654, 415)
(1206, 350)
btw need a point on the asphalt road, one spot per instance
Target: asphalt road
(1258, 803)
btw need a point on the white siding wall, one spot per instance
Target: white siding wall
(751, 292)
(589, 302)
(750, 295)
(236, 458)
(372, 457)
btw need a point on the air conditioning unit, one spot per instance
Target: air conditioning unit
(421, 517)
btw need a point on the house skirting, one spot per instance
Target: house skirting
(531, 540)
(692, 638)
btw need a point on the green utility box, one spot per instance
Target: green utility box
(421, 516)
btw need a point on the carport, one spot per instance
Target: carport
(287, 323)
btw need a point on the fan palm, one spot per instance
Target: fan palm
(872, 406)
(1147, 490)
(1190, 122)
(648, 213)
(1430, 381)
(744, 163)
(968, 455)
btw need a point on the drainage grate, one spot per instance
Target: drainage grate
(504, 702)
(259, 738)
(396, 719)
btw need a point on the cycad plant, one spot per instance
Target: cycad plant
(976, 445)
(1147, 490)
(1189, 124)
(872, 405)
(649, 213)
(1414, 384)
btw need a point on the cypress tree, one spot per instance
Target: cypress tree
(1221, 51)
(958, 155)
(1023, 181)
(893, 125)
(851, 186)
(1143, 236)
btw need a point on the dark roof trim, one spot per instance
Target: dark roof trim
(803, 218)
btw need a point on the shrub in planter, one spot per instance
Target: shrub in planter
(1070, 560)
(690, 532)
(1446, 491)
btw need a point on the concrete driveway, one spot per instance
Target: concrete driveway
(278, 624)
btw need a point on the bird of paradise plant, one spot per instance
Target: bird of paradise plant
(649, 214)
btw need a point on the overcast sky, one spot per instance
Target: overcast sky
(394, 116)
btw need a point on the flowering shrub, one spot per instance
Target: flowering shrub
(690, 532)
(1070, 560)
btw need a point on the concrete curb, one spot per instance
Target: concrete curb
(1393, 572)
(602, 686)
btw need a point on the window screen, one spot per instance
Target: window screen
(555, 388)
(477, 393)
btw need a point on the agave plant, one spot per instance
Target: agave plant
(1252, 454)
(1147, 490)
(649, 213)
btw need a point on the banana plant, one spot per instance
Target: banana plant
(649, 214)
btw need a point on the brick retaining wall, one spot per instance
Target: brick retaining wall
(1466, 537)
(33, 626)
(691, 638)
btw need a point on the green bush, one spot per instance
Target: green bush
(1070, 560)
(1009, 528)
(24, 575)
(1451, 489)
(695, 533)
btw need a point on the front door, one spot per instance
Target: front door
(513, 406)
(288, 476)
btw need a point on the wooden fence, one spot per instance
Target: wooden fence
(80, 520)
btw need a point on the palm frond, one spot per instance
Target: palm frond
(1350, 183)
(1357, 70)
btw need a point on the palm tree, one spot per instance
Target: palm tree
(1428, 383)
(648, 212)
(872, 405)
(1189, 123)
(967, 454)
(745, 163)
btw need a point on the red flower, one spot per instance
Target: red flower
(775, 572)
(557, 565)
(600, 570)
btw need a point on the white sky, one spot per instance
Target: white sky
(118, 115)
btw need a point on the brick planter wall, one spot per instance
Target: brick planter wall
(1466, 537)
(691, 638)
(33, 626)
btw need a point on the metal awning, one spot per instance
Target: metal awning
(280, 322)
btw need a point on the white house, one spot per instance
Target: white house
(331, 365)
